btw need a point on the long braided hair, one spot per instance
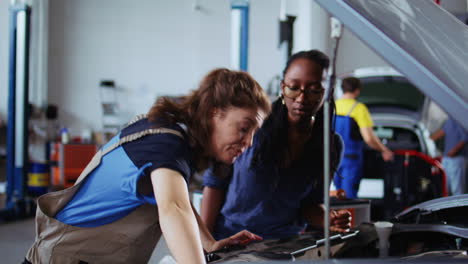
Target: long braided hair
(275, 128)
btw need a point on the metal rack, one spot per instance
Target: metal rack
(111, 118)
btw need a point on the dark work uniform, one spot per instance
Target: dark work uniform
(267, 199)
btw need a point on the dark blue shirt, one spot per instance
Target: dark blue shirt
(454, 133)
(111, 191)
(267, 199)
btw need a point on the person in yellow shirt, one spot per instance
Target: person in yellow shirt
(354, 124)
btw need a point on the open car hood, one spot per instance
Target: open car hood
(419, 39)
(436, 205)
(443, 215)
(385, 90)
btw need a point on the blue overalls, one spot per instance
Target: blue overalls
(130, 239)
(349, 173)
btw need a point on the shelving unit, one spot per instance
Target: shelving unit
(111, 118)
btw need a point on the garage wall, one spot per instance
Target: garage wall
(353, 53)
(152, 48)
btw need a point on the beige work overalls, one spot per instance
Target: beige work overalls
(131, 239)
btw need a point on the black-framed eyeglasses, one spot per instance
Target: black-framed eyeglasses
(293, 91)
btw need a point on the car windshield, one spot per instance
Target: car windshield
(391, 91)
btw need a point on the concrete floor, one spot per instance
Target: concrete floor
(16, 237)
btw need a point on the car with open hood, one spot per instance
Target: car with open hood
(428, 46)
(401, 115)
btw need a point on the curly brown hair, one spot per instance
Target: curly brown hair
(219, 89)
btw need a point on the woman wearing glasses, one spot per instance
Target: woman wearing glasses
(275, 188)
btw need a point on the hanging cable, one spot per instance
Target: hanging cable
(336, 29)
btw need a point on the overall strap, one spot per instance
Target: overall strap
(352, 108)
(141, 134)
(136, 119)
(96, 160)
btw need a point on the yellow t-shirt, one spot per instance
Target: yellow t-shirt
(360, 112)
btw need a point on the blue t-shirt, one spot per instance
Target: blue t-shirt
(454, 133)
(110, 192)
(267, 199)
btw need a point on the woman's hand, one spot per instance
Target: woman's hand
(340, 194)
(244, 237)
(387, 155)
(340, 220)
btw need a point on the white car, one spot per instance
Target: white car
(401, 118)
